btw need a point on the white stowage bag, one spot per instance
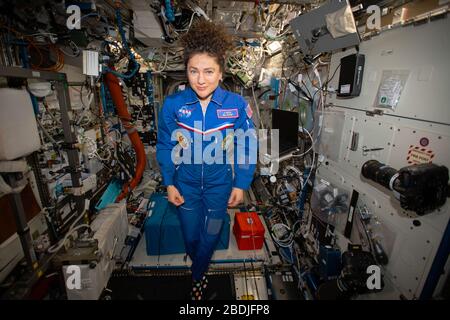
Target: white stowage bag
(18, 129)
(341, 22)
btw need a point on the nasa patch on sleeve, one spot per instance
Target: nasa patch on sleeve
(227, 113)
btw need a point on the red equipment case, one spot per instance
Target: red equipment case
(248, 231)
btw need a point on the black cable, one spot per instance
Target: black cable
(283, 67)
(261, 94)
(299, 88)
(314, 95)
(310, 96)
(293, 82)
(328, 81)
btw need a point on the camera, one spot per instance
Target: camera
(421, 187)
(353, 277)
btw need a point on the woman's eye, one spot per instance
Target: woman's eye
(209, 72)
(193, 71)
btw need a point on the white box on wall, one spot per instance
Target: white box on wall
(18, 129)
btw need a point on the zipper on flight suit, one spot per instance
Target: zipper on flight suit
(203, 128)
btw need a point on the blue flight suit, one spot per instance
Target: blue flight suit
(205, 185)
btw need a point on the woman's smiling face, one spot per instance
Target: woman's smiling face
(204, 74)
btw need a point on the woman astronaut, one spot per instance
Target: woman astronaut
(198, 124)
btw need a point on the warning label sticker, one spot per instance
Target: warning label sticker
(418, 155)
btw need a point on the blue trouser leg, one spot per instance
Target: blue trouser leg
(215, 199)
(209, 237)
(202, 216)
(190, 214)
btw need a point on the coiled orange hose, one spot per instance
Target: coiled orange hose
(116, 93)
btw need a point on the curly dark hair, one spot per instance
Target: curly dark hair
(206, 37)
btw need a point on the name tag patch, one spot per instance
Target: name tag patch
(227, 113)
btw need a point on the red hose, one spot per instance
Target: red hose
(116, 93)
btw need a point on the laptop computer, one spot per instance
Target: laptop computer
(287, 124)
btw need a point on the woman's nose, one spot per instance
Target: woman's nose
(200, 79)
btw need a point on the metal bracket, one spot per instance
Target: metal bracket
(365, 151)
(88, 184)
(375, 112)
(354, 142)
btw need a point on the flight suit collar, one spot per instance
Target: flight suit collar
(217, 97)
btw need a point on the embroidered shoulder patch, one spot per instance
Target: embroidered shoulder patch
(182, 140)
(227, 113)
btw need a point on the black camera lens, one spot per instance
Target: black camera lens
(378, 172)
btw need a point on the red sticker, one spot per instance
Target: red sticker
(418, 155)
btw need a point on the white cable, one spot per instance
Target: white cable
(310, 148)
(257, 108)
(85, 121)
(109, 154)
(41, 33)
(282, 242)
(323, 63)
(90, 98)
(164, 67)
(311, 169)
(278, 37)
(189, 26)
(316, 72)
(84, 114)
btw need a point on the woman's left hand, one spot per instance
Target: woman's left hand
(236, 197)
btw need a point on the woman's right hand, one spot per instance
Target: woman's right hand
(174, 196)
